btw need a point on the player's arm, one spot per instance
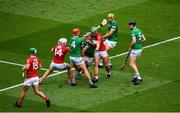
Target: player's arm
(143, 38)
(98, 42)
(26, 66)
(39, 65)
(83, 51)
(90, 42)
(68, 49)
(52, 49)
(109, 33)
(133, 41)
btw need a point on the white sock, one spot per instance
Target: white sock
(136, 75)
(90, 82)
(139, 77)
(73, 81)
(109, 62)
(96, 77)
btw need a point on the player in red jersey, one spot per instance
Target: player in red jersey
(100, 53)
(32, 67)
(59, 51)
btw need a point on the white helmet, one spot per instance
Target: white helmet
(62, 41)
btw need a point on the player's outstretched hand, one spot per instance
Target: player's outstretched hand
(41, 80)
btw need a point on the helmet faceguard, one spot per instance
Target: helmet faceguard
(62, 41)
(93, 31)
(33, 50)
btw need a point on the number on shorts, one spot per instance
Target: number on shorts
(58, 52)
(35, 64)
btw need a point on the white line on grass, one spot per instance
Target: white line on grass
(149, 46)
(17, 64)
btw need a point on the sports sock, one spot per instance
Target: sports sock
(100, 62)
(90, 82)
(73, 81)
(96, 77)
(109, 62)
(137, 75)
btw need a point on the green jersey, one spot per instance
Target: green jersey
(138, 35)
(90, 49)
(76, 44)
(114, 36)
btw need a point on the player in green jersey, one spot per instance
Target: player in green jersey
(112, 35)
(88, 50)
(76, 45)
(135, 48)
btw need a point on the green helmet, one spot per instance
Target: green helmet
(93, 29)
(33, 50)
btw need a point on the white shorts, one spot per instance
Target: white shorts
(31, 81)
(76, 60)
(136, 53)
(89, 60)
(111, 44)
(58, 66)
(101, 54)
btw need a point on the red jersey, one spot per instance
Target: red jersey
(99, 38)
(60, 53)
(35, 65)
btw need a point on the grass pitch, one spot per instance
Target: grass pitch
(40, 23)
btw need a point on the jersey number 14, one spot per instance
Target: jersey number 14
(58, 52)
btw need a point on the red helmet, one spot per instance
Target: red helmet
(75, 31)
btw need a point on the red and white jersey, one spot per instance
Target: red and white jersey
(101, 40)
(60, 53)
(35, 65)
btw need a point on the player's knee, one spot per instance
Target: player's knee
(106, 64)
(69, 66)
(95, 64)
(36, 91)
(131, 64)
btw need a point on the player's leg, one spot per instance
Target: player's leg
(78, 73)
(46, 74)
(109, 61)
(41, 94)
(68, 73)
(132, 64)
(83, 67)
(108, 48)
(105, 61)
(96, 68)
(74, 75)
(89, 61)
(22, 95)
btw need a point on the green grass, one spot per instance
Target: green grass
(40, 23)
